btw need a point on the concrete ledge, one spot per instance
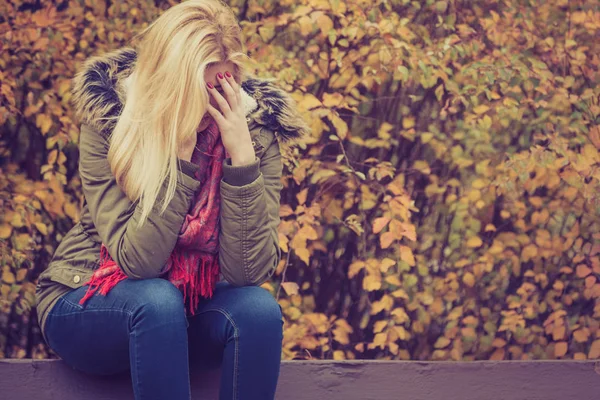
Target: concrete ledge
(351, 380)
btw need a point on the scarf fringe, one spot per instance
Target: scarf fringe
(195, 276)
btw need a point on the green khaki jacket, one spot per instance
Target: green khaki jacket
(249, 249)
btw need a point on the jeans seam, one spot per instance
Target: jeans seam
(138, 387)
(236, 337)
(80, 309)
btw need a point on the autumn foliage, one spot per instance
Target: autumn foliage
(445, 207)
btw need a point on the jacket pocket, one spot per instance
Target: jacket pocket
(70, 275)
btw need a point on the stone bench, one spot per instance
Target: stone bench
(333, 380)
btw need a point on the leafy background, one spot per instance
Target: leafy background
(445, 207)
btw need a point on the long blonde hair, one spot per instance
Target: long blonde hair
(167, 96)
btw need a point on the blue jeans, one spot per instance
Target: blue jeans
(141, 326)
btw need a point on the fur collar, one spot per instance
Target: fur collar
(98, 96)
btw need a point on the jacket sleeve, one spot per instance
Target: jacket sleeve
(140, 252)
(248, 242)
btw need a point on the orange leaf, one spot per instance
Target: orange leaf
(469, 279)
(497, 355)
(594, 350)
(560, 349)
(581, 335)
(380, 223)
(582, 271)
(386, 239)
(559, 332)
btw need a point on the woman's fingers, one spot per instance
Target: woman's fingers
(234, 85)
(228, 91)
(221, 102)
(217, 116)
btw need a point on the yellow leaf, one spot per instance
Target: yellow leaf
(308, 232)
(301, 196)
(478, 184)
(303, 254)
(408, 122)
(379, 340)
(5, 231)
(8, 277)
(400, 294)
(379, 326)
(42, 228)
(332, 100)
(530, 251)
(481, 109)
(386, 303)
(422, 166)
(324, 23)
(386, 264)
(355, 268)
(441, 342)
(400, 315)
(560, 349)
(474, 241)
(407, 255)
(339, 355)
(402, 333)
(17, 220)
(384, 131)
(290, 288)
(469, 279)
(393, 280)
(371, 283)
(44, 122)
(309, 102)
(22, 241)
(306, 25)
(341, 127)
(71, 211)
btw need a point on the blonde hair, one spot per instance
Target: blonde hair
(167, 95)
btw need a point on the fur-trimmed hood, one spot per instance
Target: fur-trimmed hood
(99, 95)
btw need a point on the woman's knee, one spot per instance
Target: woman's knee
(257, 307)
(158, 300)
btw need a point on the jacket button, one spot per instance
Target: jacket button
(76, 279)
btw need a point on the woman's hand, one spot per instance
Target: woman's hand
(231, 120)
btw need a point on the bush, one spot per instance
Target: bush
(445, 207)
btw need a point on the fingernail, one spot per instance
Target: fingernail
(220, 75)
(228, 74)
(210, 85)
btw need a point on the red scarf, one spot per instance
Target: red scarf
(193, 266)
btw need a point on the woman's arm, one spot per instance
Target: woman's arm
(250, 195)
(139, 252)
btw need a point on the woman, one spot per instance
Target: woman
(180, 167)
